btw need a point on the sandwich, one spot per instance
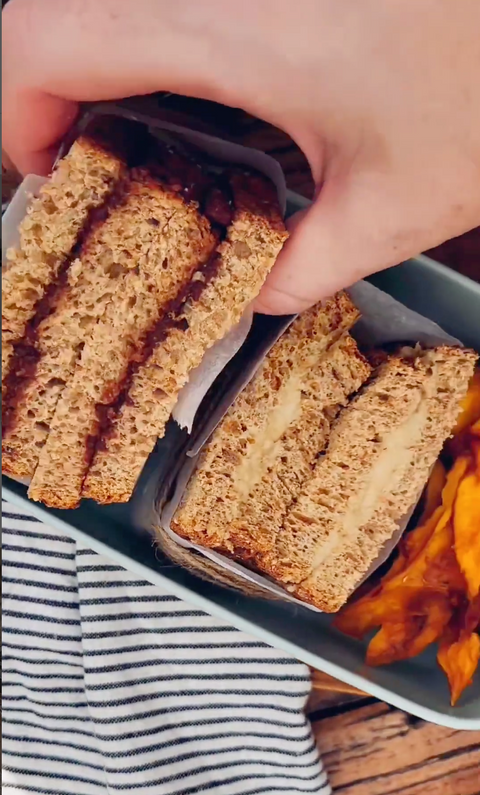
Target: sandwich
(323, 456)
(155, 263)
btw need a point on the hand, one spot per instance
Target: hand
(383, 98)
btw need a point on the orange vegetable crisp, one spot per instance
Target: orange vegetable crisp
(431, 594)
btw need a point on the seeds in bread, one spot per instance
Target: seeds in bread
(230, 282)
(264, 448)
(154, 244)
(81, 182)
(378, 459)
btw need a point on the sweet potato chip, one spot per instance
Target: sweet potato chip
(427, 545)
(454, 478)
(475, 445)
(459, 660)
(475, 428)
(371, 611)
(400, 640)
(466, 522)
(433, 491)
(438, 544)
(413, 542)
(444, 575)
(471, 621)
(391, 642)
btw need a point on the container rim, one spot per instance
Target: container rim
(243, 624)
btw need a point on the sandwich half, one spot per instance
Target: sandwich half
(97, 317)
(264, 450)
(208, 308)
(140, 288)
(364, 478)
(56, 219)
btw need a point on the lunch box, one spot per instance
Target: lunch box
(417, 686)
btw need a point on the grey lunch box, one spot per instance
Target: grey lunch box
(416, 686)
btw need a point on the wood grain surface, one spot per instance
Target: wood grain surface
(373, 749)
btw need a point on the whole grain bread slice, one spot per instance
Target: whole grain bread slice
(264, 449)
(153, 243)
(215, 303)
(132, 233)
(81, 182)
(378, 458)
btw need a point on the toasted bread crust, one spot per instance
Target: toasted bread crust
(254, 239)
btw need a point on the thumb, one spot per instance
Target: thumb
(344, 236)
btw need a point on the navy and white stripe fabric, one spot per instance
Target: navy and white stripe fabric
(110, 685)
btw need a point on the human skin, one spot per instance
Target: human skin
(383, 97)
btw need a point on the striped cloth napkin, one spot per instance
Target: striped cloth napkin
(110, 685)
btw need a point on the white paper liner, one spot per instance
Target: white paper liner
(202, 377)
(384, 320)
(17, 210)
(22, 481)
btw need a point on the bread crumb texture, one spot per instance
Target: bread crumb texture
(81, 182)
(118, 287)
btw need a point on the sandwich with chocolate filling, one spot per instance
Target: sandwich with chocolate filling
(320, 459)
(127, 272)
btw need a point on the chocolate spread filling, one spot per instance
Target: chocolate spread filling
(172, 318)
(210, 190)
(213, 193)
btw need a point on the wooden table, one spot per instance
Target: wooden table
(368, 747)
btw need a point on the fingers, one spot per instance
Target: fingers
(57, 53)
(325, 252)
(355, 228)
(32, 133)
(33, 120)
